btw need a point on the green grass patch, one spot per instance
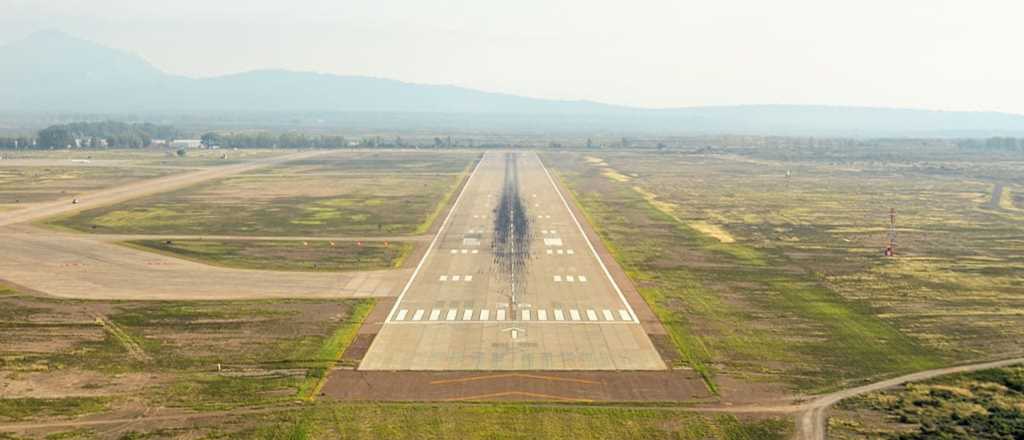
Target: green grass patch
(440, 208)
(289, 255)
(507, 421)
(298, 199)
(26, 408)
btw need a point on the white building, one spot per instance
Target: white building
(187, 143)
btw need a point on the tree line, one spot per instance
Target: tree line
(263, 139)
(994, 143)
(107, 134)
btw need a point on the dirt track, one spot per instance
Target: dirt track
(88, 266)
(811, 423)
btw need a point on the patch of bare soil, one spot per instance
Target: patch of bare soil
(73, 383)
(740, 391)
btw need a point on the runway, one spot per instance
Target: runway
(511, 282)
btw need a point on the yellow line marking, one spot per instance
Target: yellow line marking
(510, 375)
(520, 393)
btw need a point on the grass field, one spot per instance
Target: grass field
(284, 255)
(151, 156)
(56, 363)
(195, 355)
(31, 184)
(506, 421)
(985, 404)
(765, 277)
(330, 420)
(301, 198)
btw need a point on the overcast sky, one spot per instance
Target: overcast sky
(935, 54)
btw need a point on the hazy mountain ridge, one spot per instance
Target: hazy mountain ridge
(54, 72)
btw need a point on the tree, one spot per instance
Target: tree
(210, 139)
(55, 137)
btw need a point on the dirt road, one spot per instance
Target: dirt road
(811, 422)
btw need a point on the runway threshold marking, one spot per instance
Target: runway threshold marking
(586, 239)
(451, 316)
(514, 375)
(433, 243)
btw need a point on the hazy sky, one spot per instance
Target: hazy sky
(937, 54)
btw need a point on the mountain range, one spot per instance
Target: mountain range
(52, 72)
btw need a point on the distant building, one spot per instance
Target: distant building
(187, 143)
(90, 142)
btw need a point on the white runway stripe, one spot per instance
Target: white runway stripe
(581, 316)
(625, 315)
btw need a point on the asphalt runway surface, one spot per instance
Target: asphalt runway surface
(511, 282)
